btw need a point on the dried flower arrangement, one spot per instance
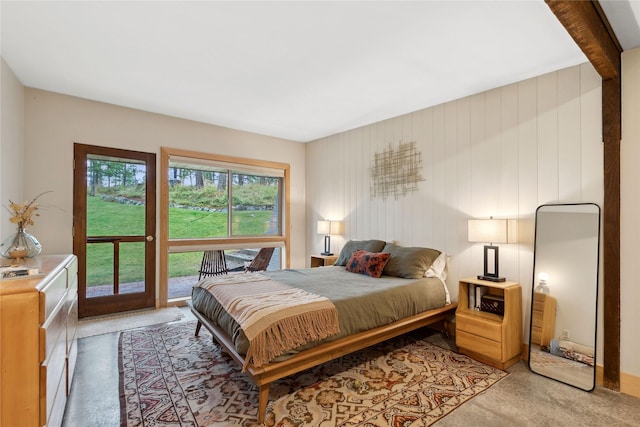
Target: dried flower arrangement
(22, 244)
(23, 213)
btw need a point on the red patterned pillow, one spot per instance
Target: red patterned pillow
(369, 263)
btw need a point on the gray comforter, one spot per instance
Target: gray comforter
(362, 302)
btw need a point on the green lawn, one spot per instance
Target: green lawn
(110, 218)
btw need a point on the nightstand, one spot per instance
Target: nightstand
(494, 339)
(322, 260)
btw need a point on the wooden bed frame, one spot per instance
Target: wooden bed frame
(266, 374)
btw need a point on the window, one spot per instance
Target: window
(218, 202)
(215, 199)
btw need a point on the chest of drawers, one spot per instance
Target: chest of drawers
(38, 323)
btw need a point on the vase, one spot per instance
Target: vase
(20, 245)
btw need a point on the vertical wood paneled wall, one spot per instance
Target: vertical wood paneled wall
(629, 224)
(499, 153)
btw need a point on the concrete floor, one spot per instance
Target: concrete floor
(520, 399)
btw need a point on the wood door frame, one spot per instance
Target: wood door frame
(124, 302)
(589, 27)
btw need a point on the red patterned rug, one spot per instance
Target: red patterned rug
(169, 377)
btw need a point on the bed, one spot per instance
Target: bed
(374, 292)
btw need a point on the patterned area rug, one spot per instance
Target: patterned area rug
(548, 360)
(168, 377)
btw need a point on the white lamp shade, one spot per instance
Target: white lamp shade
(493, 230)
(335, 227)
(330, 227)
(324, 227)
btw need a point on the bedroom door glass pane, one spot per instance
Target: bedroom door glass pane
(115, 226)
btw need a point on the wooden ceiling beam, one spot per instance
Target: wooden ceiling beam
(587, 24)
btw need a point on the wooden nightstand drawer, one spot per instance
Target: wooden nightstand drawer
(478, 326)
(495, 339)
(474, 343)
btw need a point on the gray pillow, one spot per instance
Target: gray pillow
(354, 245)
(410, 263)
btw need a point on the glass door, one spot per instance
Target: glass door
(114, 229)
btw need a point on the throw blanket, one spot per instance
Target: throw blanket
(275, 317)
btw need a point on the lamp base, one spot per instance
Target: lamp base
(327, 246)
(492, 278)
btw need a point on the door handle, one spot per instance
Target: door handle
(149, 238)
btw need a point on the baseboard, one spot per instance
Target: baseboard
(629, 384)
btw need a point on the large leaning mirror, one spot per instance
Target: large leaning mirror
(562, 338)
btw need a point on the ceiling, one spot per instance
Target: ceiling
(295, 70)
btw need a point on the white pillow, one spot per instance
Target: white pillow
(439, 268)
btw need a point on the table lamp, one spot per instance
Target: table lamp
(329, 228)
(492, 231)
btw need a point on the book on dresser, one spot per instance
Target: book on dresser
(480, 292)
(7, 273)
(476, 293)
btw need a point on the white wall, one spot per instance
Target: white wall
(630, 216)
(11, 137)
(500, 153)
(53, 122)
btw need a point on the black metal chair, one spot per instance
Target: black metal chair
(213, 264)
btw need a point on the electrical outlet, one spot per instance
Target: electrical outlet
(565, 334)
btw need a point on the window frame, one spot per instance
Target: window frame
(210, 243)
